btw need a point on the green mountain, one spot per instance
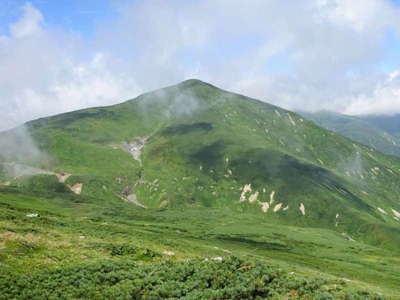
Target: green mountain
(379, 132)
(193, 171)
(389, 123)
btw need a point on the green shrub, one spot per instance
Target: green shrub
(231, 278)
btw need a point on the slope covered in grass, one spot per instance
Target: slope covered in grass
(90, 250)
(192, 167)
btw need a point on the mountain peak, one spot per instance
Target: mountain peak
(191, 82)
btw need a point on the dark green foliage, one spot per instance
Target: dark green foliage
(210, 155)
(187, 128)
(44, 185)
(131, 250)
(232, 278)
(260, 165)
(275, 245)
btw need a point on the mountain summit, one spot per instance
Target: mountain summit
(195, 145)
(195, 168)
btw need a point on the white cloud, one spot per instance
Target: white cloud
(327, 50)
(70, 87)
(361, 15)
(45, 72)
(384, 99)
(28, 24)
(80, 86)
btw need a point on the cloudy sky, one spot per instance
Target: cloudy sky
(58, 56)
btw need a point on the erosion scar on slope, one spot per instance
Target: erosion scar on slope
(132, 199)
(135, 147)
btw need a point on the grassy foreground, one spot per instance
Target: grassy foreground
(76, 248)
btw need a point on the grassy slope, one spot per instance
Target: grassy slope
(205, 144)
(376, 132)
(68, 234)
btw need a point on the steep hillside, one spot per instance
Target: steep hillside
(196, 145)
(209, 167)
(379, 132)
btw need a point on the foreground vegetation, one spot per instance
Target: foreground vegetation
(231, 278)
(80, 249)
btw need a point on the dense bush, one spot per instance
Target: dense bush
(232, 278)
(131, 250)
(44, 185)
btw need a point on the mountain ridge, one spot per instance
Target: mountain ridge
(192, 169)
(194, 104)
(367, 130)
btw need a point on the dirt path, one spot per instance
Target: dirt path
(17, 170)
